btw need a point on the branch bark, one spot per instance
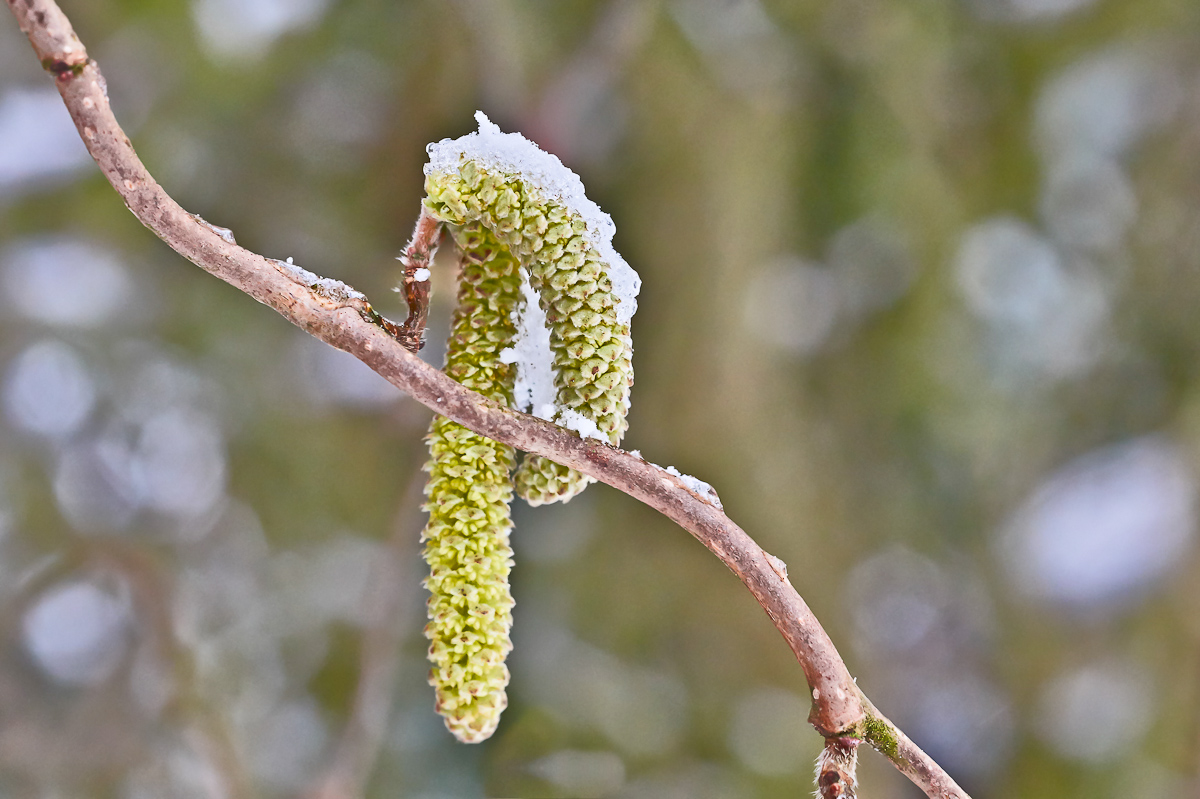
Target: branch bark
(417, 258)
(344, 320)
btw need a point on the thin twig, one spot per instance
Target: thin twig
(837, 765)
(417, 259)
(838, 708)
(388, 600)
(890, 741)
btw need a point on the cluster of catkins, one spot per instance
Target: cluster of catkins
(517, 217)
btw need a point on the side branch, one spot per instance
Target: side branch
(340, 319)
(417, 259)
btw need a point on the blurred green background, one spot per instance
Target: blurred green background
(921, 292)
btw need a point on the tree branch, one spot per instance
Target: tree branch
(417, 258)
(343, 319)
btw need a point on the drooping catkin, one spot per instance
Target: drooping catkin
(527, 234)
(469, 492)
(584, 288)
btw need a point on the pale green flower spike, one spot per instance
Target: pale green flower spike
(551, 338)
(469, 491)
(536, 207)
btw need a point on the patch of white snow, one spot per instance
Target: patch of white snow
(585, 427)
(534, 387)
(325, 286)
(695, 484)
(223, 232)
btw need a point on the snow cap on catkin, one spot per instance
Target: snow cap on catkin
(543, 175)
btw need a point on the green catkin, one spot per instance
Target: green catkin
(518, 216)
(591, 348)
(469, 492)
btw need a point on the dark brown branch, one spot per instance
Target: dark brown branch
(418, 256)
(838, 709)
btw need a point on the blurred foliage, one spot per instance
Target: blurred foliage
(920, 291)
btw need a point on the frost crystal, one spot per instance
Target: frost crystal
(694, 484)
(326, 287)
(531, 353)
(585, 427)
(223, 232)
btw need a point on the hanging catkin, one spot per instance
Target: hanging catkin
(536, 208)
(469, 491)
(527, 234)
